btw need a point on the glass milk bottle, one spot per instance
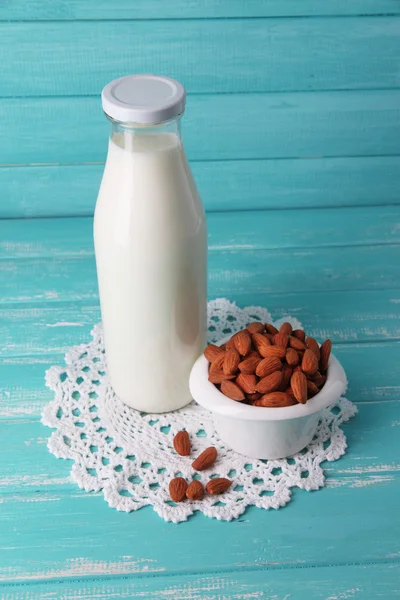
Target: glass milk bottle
(150, 245)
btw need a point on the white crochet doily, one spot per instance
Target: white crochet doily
(129, 455)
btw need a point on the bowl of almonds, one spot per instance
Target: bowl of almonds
(266, 388)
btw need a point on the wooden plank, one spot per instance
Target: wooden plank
(71, 190)
(40, 330)
(249, 273)
(344, 581)
(236, 231)
(254, 55)
(34, 10)
(39, 505)
(23, 393)
(324, 124)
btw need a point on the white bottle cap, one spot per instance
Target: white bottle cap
(143, 99)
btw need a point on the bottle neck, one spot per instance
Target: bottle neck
(129, 135)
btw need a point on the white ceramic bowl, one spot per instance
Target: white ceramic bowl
(260, 432)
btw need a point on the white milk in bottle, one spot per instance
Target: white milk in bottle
(151, 247)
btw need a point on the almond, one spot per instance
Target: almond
(212, 351)
(182, 443)
(272, 351)
(292, 358)
(249, 364)
(177, 489)
(268, 366)
(286, 375)
(217, 377)
(286, 328)
(230, 344)
(218, 363)
(325, 354)
(299, 334)
(231, 362)
(297, 344)
(242, 341)
(255, 327)
(253, 397)
(270, 383)
(195, 490)
(298, 383)
(313, 345)
(205, 459)
(275, 400)
(232, 390)
(318, 379)
(247, 382)
(218, 485)
(260, 342)
(281, 339)
(312, 389)
(271, 329)
(309, 364)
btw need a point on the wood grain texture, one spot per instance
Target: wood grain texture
(35, 10)
(273, 54)
(40, 504)
(323, 124)
(59, 191)
(23, 394)
(250, 230)
(326, 583)
(346, 317)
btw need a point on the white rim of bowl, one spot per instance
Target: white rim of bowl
(208, 395)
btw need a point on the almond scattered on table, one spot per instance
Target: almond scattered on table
(177, 489)
(205, 459)
(265, 366)
(182, 443)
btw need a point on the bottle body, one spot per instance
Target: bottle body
(151, 257)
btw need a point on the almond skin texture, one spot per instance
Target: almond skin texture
(231, 362)
(286, 328)
(230, 344)
(292, 358)
(325, 354)
(275, 400)
(271, 329)
(217, 377)
(177, 489)
(272, 351)
(299, 334)
(218, 485)
(298, 383)
(312, 389)
(205, 459)
(232, 390)
(249, 364)
(253, 397)
(255, 327)
(270, 383)
(182, 443)
(242, 341)
(297, 344)
(247, 382)
(218, 363)
(195, 491)
(212, 351)
(309, 364)
(260, 342)
(287, 372)
(313, 345)
(268, 366)
(281, 339)
(318, 379)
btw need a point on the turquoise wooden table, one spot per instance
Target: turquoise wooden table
(293, 132)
